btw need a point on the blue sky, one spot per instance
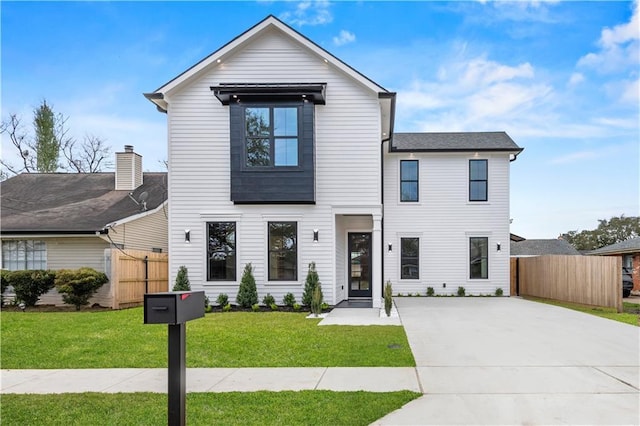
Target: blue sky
(560, 77)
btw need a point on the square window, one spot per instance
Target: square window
(271, 136)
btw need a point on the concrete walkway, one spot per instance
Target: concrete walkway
(508, 361)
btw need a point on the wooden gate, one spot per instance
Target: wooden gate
(136, 272)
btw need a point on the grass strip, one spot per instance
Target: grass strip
(630, 314)
(119, 339)
(233, 408)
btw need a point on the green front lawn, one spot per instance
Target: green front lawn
(233, 408)
(119, 339)
(630, 314)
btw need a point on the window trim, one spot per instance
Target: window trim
(486, 239)
(417, 181)
(269, 251)
(417, 258)
(235, 252)
(485, 180)
(272, 137)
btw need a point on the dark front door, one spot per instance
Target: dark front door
(359, 264)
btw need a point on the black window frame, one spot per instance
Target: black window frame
(416, 181)
(405, 258)
(481, 258)
(272, 137)
(227, 252)
(282, 251)
(473, 181)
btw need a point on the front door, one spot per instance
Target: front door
(359, 264)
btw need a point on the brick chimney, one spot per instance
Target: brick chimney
(128, 169)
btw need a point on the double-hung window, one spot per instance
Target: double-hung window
(283, 251)
(478, 257)
(221, 251)
(409, 180)
(478, 178)
(24, 255)
(410, 258)
(271, 136)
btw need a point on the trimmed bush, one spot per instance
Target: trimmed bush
(499, 292)
(273, 307)
(461, 292)
(310, 285)
(79, 285)
(182, 280)
(222, 299)
(268, 300)
(30, 285)
(226, 308)
(289, 300)
(296, 307)
(247, 293)
(255, 307)
(388, 298)
(430, 291)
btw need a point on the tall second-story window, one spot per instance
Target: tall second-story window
(409, 180)
(271, 136)
(478, 178)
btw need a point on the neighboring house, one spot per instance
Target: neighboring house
(67, 220)
(528, 248)
(281, 155)
(629, 251)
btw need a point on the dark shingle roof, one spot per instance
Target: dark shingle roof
(542, 247)
(631, 245)
(452, 142)
(71, 202)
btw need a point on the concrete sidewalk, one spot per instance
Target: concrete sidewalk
(372, 379)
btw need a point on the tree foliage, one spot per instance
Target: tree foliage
(77, 286)
(247, 292)
(608, 232)
(182, 280)
(47, 144)
(312, 281)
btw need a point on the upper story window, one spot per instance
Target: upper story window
(409, 180)
(271, 136)
(283, 251)
(24, 255)
(478, 257)
(478, 178)
(410, 258)
(221, 251)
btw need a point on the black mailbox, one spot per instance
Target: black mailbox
(173, 307)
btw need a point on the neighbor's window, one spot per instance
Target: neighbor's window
(409, 180)
(221, 251)
(24, 255)
(271, 136)
(409, 258)
(479, 257)
(477, 180)
(283, 251)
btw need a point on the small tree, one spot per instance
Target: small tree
(247, 293)
(78, 286)
(316, 301)
(30, 285)
(388, 298)
(310, 284)
(182, 280)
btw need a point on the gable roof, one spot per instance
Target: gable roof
(72, 203)
(453, 142)
(542, 247)
(632, 245)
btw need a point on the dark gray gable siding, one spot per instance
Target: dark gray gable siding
(274, 185)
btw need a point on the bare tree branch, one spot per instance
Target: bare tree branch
(14, 129)
(91, 156)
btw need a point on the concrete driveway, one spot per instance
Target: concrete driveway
(510, 361)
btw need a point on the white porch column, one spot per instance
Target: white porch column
(376, 256)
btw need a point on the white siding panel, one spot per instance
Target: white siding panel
(145, 233)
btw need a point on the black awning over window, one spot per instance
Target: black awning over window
(252, 92)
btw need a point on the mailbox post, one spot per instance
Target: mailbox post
(175, 309)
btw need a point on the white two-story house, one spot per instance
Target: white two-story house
(281, 155)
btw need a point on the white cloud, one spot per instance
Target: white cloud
(576, 78)
(591, 154)
(309, 12)
(344, 37)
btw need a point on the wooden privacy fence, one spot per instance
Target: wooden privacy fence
(136, 272)
(588, 280)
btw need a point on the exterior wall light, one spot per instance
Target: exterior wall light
(187, 235)
(315, 235)
(498, 247)
(389, 247)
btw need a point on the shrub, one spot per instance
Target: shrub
(255, 307)
(226, 308)
(273, 307)
(30, 285)
(289, 300)
(247, 293)
(325, 306)
(222, 299)
(268, 300)
(499, 292)
(207, 304)
(182, 280)
(296, 307)
(310, 284)
(79, 285)
(316, 301)
(4, 283)
(388, 298)
(461, 291)
(430, 291)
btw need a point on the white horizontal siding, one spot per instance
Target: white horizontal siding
(444, 220)
(145, 233)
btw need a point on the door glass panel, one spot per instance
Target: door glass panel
(360, 267)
